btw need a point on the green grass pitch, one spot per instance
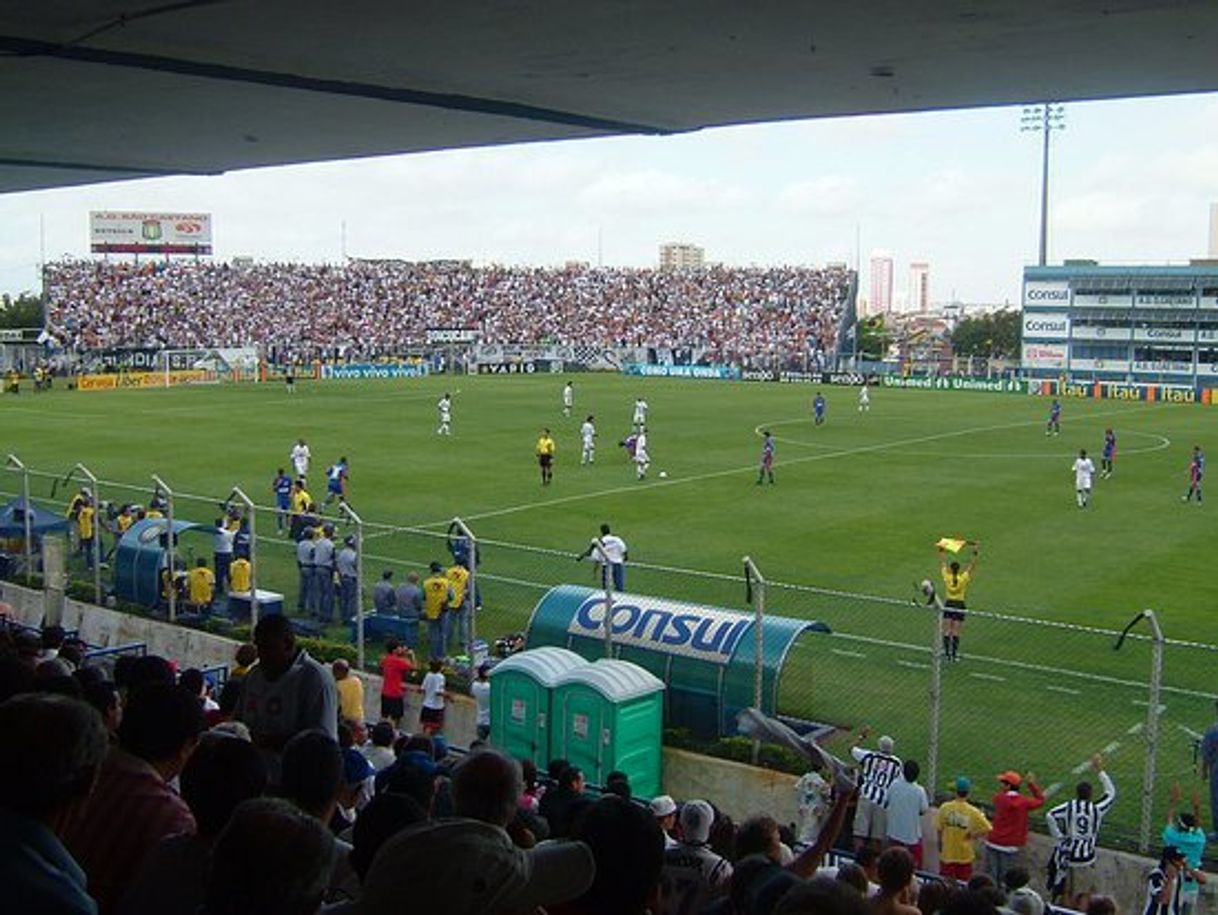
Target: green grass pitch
(857, 506)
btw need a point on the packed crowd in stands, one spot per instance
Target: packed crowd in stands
(367, 309)
(135, 791)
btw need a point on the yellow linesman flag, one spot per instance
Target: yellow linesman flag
(951, 544)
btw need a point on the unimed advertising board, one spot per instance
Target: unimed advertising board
(149, 233)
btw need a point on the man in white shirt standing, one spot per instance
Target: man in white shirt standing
(300, 458)
(639, 420)
(905, 806)
(642, 460)
(1084, 470)
(568, 398)
(587, 432)
(864, 399)
(610, 553)
(480, 689)
(444, 407)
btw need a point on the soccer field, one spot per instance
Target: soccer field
(857, 507)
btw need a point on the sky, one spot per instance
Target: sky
(1131, 182)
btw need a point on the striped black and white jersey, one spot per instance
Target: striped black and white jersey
(1154, 888)
(876, 772)
(1076, 824)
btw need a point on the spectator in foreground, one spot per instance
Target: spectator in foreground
(562, 803)
(878, 769)
(664, 809)
(272, 859)
(486, 786)
(286, 693)
(821, 896)
(44, 787)
(959, 825)
(466, 867)
(379, 749)
(1010, 833)
(1185, 833)
(385, 816)
(1021, 898)
(350, 691)
(897, 892)
(222, 773)
(134, 805)
(693, 874)
(1075, 826)
(905, 807)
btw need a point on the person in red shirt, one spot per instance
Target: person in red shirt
(395, 666)
(1010, 833)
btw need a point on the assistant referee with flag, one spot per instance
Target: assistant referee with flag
(955, 582)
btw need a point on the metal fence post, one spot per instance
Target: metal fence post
(472, 592)
(754, 580)
(1152, 732)
(14, 463)
(171, 543)
(936, 697)
(95, 495)
(355, 519)
(250, 512)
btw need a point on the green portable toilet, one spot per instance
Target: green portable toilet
(609, 716)
(521, 687)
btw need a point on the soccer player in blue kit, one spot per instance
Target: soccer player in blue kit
(282, 488)
(1108, 457)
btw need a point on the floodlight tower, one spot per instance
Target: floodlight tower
(1045, 118)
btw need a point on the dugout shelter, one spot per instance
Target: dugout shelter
(143, 551)
(705, 655)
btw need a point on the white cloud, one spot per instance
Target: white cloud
(828, 196)
(649, 191)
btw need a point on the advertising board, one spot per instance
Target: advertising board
(1041, 292)
(113, 232)
(726, 372)
(375, 370)
(1046, 325)
(1043, 356)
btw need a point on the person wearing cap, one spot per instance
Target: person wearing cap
(437, 595)
(323, 574)
(693, 875)
(878, 769)
(346, 564)
(664, 809)
(1165, 884)
(1010, 833)
(959, 824)
(304, 565)
(1184, 832)
(467, 867)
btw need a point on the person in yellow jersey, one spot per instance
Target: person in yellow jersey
(201, 585)
(437, 595)
(959, 825)
(458, 607)
(73, 511)
(239, 575)
(955, 582)
(299, 504)
(350, 692)
(545, 456)
(86, 529)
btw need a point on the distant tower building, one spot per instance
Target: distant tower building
(881, 285)
(919, 287)
(677, 256)
(1213, 230)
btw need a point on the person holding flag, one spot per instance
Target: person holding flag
(955, 581)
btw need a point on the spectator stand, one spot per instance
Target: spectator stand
(706, 655)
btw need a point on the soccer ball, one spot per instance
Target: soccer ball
(928, 590)
(663, 474)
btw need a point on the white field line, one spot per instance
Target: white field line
(1136, 728)
(752, 468)
(1196, 735)
(1145, 704)
(848, 654)
(1039, 668)
(916, 665)
(993, 677)
(1063, 689)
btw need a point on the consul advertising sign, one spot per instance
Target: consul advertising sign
(1046, 325)
(1042, 294)
(149, 233)
(669, 627)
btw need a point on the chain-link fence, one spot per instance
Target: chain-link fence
(1027, 694)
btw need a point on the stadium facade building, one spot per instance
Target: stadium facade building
(681, 256)
(1136, 325)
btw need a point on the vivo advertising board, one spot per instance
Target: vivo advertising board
(1047, 325)
(1044, 356)
(1037, 292)
(149, 233)
(375, 370)
(665, 626)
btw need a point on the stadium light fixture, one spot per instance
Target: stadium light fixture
(1044, 119)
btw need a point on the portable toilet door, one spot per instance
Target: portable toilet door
(521, 687)
(611, 717)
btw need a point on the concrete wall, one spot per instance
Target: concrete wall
(740, 790)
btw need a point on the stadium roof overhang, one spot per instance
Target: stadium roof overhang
(98, 90)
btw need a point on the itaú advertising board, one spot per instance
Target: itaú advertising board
(1043, 293)
(667, 626)
(149, 233)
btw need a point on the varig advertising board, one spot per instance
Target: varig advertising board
(149, 233)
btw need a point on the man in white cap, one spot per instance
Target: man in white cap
(467, 867)
(878, 769)
(664, 809)
(693, 874)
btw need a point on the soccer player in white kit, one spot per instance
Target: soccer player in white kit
(587, 432)
(640, 414)
(1084, 470)
(300, 455)
(641, 459)
(568, 398)
(444, 406)
(864, 399)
